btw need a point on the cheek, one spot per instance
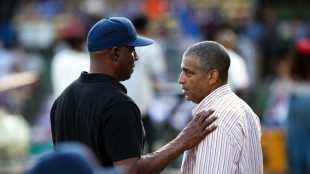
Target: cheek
(193, 87)
(129, 63)
(204, 89)
(198, 89)
(193, 84)
(132, 61)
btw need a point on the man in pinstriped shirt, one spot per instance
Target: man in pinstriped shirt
(235, 146)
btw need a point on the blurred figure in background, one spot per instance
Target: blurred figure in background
(276, 112)
(17, 64)
(69, 61)
(72, 58)
(299, 108)
(150, 71)
(15, 137)
(69, 157)
(238, 76)
(15, 130)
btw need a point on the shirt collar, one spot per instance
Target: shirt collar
(217, 93)
(97, 77)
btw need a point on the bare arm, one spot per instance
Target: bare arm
(157, 161)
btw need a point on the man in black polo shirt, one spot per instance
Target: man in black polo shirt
(96, 111)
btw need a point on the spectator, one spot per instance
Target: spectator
(298, 108)
(238, 76)
(69, 158)
(70, 61)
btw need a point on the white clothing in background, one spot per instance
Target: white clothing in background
(238, 76)
(151, 64)
(66, 67)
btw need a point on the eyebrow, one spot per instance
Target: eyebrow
(185, 69)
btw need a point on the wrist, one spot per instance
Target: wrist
(179, 144)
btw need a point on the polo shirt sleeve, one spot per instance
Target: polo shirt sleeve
(52, 121)
(123, 132)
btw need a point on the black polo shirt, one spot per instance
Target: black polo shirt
(96, 111)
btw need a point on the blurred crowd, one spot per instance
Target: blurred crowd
(42, 50)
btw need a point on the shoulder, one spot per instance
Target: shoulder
(103, 94)
(235, 115)
(124, 110)
(238, 114)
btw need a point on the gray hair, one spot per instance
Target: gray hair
(210, 55)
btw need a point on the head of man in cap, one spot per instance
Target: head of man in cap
(111, 43)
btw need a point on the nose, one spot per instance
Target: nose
(181, 80)
(136, 56)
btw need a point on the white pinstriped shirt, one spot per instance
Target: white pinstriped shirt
(235, 146)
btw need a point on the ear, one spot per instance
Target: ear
(213, 76)
(115, 52)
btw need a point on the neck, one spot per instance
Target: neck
(217, 85)
(101, 63)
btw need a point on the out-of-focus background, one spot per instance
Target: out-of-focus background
(42, 50)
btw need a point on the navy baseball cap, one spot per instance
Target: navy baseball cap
(114, 31)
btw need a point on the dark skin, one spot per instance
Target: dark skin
(118, 62)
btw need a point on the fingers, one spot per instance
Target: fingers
(197, 129)
(204, 115)
(209, 121)
(209, 130)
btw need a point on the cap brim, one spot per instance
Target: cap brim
(140, 41)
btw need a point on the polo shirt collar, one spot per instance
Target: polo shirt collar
(97, 77)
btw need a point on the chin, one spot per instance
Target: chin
(124, 79)
(196, 102)
(188, 98)
(192, 100)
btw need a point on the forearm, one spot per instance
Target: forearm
(157, 161)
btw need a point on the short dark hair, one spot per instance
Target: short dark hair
(210, 55)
